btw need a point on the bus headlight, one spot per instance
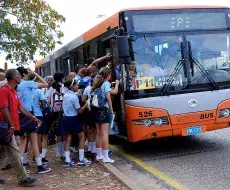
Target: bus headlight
(158, 122)
(224, 113)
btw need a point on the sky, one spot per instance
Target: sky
(81, 15)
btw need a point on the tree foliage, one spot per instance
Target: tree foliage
(28, 26)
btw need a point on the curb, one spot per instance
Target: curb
(122, 177)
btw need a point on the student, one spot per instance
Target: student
(102, 117)
(28, 130)
(91, 128)
(39, 103)
(55, 95)
(70, 123)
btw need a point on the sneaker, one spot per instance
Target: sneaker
(98, 158)
(44, 161)
(27, 182)
(84, 161)
(44, 164)
(110, 153)
(69, 164)
(42, 169)
(107, 160)
(27, 165)
(7, 167)
(2, 181)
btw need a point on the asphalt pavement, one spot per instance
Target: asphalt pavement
(197, 162)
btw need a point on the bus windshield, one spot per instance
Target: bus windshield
(212, 52)
(154, 60)
(181, 61)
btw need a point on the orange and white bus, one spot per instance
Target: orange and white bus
(174, 64)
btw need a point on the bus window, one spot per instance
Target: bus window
(212, 52)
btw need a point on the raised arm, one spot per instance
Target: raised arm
(95, 63)
(43, 83)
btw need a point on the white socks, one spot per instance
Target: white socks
(25, 158)
(67, 156)
(43, 154)
(106, 154)
(38, 161)
(22, 158)
(59, 149)
(99, 152)
(89, 146)
(81, 154)
(93, 147)
(62, 148)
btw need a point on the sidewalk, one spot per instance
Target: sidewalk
(83, 178)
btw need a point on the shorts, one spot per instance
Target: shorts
(71, 125)
(100, 116)
(86, 118)
(56, 123)
(27, 126)
(42, 128)
(48, 120)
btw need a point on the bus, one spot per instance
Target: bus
(174, 64)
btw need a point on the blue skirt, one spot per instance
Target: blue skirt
(42, 129)
(70, 125)
(27, 126)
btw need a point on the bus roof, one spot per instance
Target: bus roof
(113, 22)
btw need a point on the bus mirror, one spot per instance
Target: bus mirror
(123, 46)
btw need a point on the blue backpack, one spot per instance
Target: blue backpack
(96, 100)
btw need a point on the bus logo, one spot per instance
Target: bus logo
(192, 103)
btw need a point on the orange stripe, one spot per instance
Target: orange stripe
(175, 7)
(38, 63)
(99, 29)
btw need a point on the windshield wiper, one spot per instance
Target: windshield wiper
(175, 71)
(152, 48)
(200, 67)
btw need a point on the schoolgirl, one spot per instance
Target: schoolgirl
(70, 123)
(91, 128)
(102, 116)
(55, 100)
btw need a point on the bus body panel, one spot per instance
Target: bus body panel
(171, 103)
(177, 124)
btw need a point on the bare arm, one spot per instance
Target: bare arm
(95, 63)
(43, 83)
(108, 98)
(82, 109)
(29, 115)
(115, 90)
(26, 113)
(84, 98)
(43, 104)
(7, 116)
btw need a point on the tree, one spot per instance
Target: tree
(28, 26)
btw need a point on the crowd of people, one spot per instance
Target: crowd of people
(77, 110)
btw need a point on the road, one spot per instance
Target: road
(197, 162)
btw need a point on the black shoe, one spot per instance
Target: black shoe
(2, 181)
(27, 165)
(42, 169)
(7, 167)
(44, 161)
(27, 182)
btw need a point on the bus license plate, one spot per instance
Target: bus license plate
(194, 130)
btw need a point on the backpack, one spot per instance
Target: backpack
(96, 99)
(57, 101)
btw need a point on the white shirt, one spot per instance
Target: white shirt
(87, 91)
(70, 104)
